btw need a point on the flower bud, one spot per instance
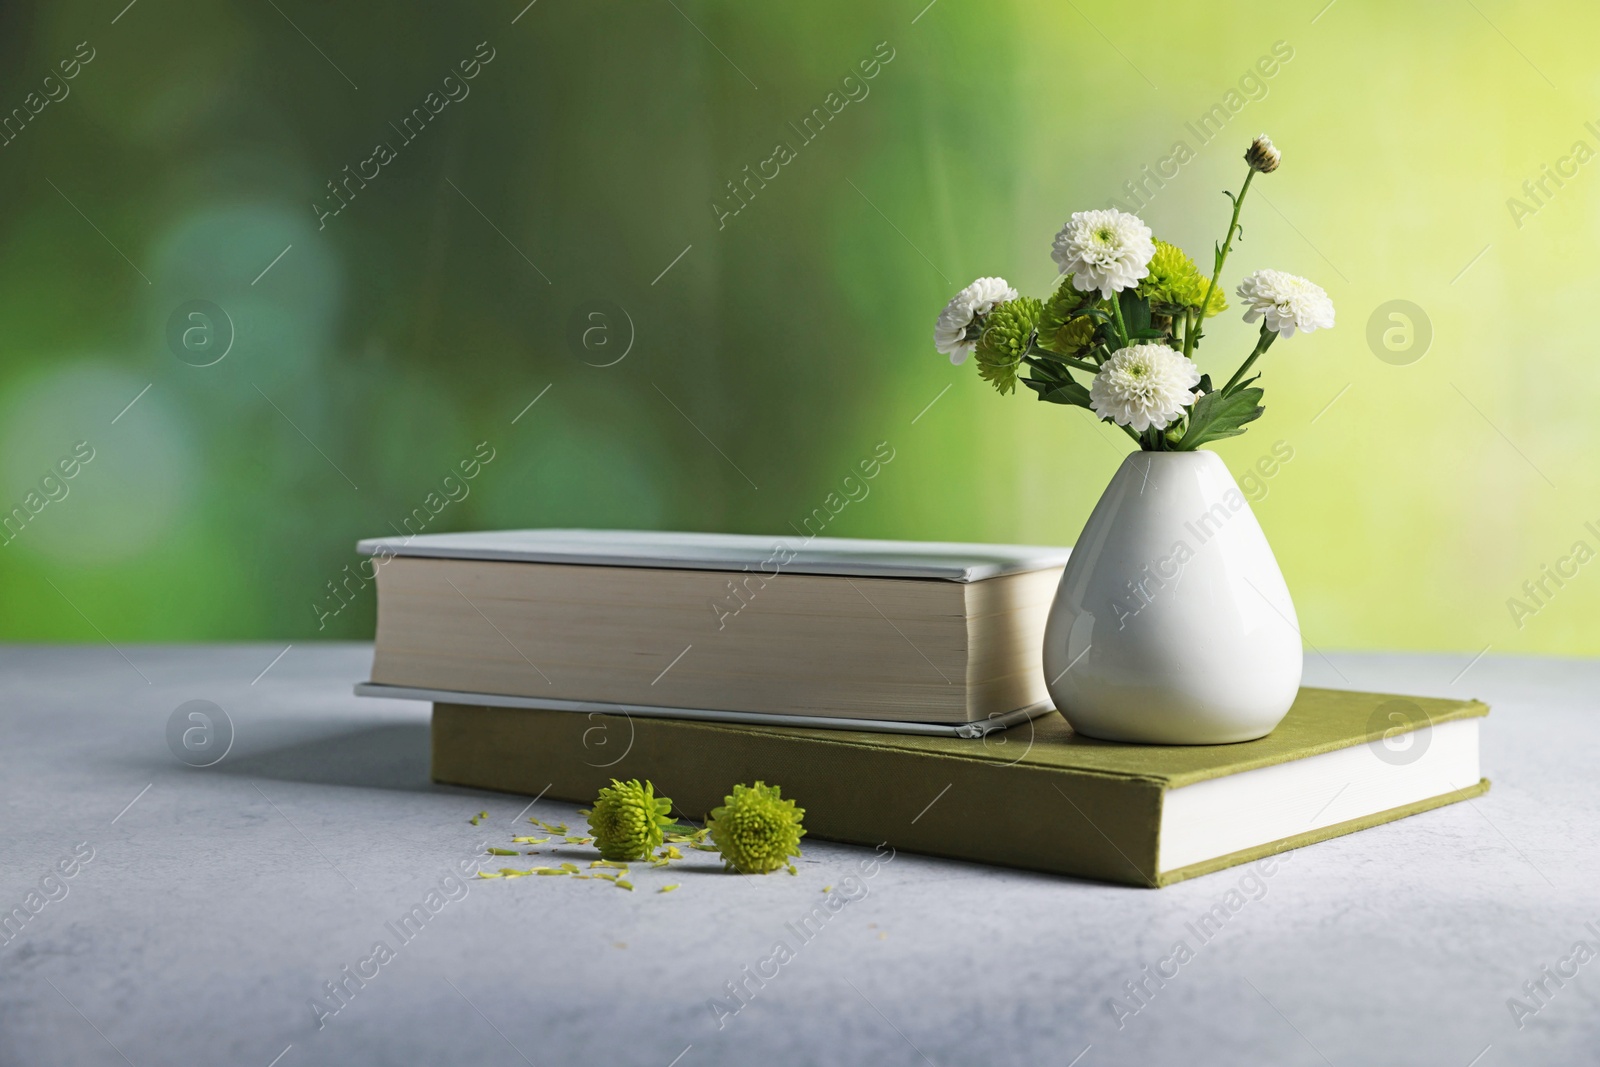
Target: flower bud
(1262, 155)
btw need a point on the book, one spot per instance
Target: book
(818, 630)
(1035, 796)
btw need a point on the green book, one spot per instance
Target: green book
(1036, 796)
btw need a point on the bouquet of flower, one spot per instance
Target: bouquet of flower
(1128, 314)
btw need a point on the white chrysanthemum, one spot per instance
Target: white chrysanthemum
(976, 300)
(1288, 301)
(1107, 250)
(1143, 386)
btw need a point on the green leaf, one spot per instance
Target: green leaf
(1135, 311)
(1047, 366)
(1215, 416)
(1098, 314)
(1067, 392)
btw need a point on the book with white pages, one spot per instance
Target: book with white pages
(903, 636)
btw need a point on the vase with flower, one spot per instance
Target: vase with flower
(1172, 623)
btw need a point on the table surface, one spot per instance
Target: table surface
(218, 902)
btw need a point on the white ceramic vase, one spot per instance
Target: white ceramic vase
(1172, 624)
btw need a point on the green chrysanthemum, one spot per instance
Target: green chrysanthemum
(1174, 279)
(756, 830)
(627, 820)
(1063, 328)
(1005, 338)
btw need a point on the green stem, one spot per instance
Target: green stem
(1222, 254)
(1122, 327)
(1263, 343)
(1130, 431)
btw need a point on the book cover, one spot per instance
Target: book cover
(841, 556)
(1036, 796)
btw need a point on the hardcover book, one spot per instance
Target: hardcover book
(724, 626)
(1035, 796)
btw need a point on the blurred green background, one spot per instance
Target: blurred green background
(579, 173)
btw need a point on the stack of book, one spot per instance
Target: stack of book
(894, 689)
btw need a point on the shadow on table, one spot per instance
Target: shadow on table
(391, 756)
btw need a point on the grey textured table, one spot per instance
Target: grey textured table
(218, 902)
